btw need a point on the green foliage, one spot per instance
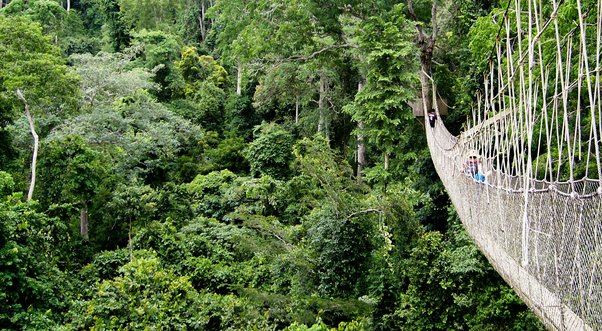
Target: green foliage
(343, 326)
(293, 31)
(146, 295)
(33, 64)
(449, 285)
(115, 33)
(229, 154)
(327, 171)
(49, 13)
(158, 51)
(93, 13)
(141, 136)
(218, 194)
(482, 39)
(204, 80)
(104, 266)
(205, 250)
(208, 105)
(204, 218)
(343, 248)
(33, 290)
(206, 191)
(388, 64)
(70, 171)
(75, 38)
(6, 183)
(172, 203)
(197, 68)
(240, 115)
(130, 207)
(65, 27)
(152, 14)
(282, 89)
(205, 108)
(271, 151)
(107, 77)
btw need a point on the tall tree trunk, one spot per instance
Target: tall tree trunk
(425, 72)
(386, 161)
(238, 78)
(361, 147)
(83, 221)
(202, 21)
(34, 158)
(426, 44)
(68, 5)
(321, 103)
(361, 151)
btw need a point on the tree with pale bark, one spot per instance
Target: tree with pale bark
(33, 78)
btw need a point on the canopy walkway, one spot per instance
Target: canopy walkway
(535, 210)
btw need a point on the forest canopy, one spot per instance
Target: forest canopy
(236, 165)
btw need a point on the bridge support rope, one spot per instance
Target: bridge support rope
(562, 283)
(537, 216)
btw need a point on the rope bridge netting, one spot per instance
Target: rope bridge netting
(534, 206)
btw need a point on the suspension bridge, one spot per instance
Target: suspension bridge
(531, 197)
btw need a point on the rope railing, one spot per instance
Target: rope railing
(561, 280)
(535, 206)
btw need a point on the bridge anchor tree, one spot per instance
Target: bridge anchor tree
(426, 44)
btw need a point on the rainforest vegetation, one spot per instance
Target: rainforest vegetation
(237, 165)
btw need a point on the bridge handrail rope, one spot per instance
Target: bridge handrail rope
(535, 210)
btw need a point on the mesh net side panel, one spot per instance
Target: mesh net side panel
(550, 253)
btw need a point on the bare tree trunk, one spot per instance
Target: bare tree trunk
(426, 44)
(239, 78)
(361, 147)
(34, 158)
(68, 5)
(83, 221)
(199, 18)
(386, 161)
(361, 152)
(321, 102)
(202, 21)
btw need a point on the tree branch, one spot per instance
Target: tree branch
(34, 157)
(278, 61)
(434, 22)
(371, 210)
(271, 233)
(411, 10)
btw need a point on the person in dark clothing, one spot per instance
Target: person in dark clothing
(432, 118)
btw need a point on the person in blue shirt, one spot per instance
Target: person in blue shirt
(471, 167)
(474, 168)
(480, 174)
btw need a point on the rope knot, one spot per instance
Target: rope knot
(574, 195)
(552, 188)
(599, 190)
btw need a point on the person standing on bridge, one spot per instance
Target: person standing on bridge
(432, 117)
(471, 165)
(480, 175)
(474, 168)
